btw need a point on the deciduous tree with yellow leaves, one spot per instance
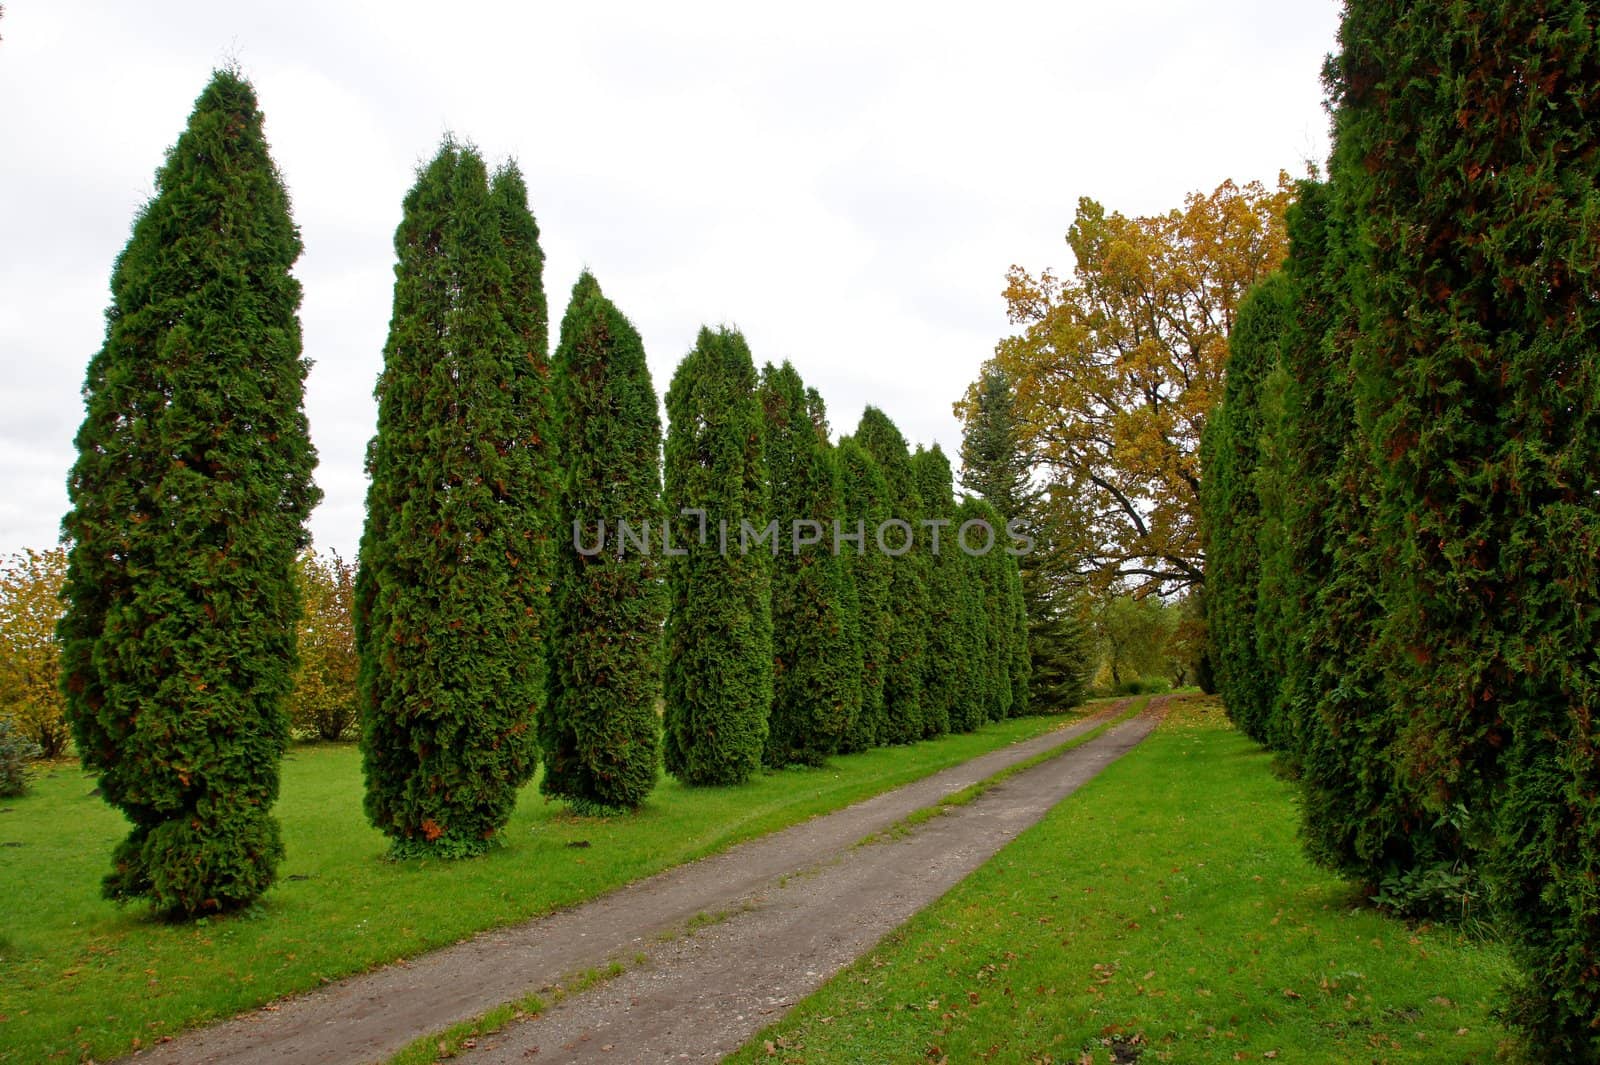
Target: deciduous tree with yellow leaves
(30, 658)
(1116, 367)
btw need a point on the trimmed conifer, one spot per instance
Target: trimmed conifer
(451, 594)
(1230, 451)
(951, 661)
(816, 686)
(995, 573)
(864, 505)
(189, 497)
(904, 721)
(1466, 165)
(600, 734)
(718, 680)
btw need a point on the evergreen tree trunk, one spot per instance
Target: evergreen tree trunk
(451, 594)
(816, 680)
(719, 620)
(600, 734)
(189, 498)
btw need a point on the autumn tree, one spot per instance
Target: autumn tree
(324, 702)
(189, 498)
(864, 506)
(908, 588)
(451, 611)
(816, 678)
(1117, 367)
(601, 733)
(30, 657)
(718, 681)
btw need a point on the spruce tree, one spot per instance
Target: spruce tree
(1466, 164)
(904, 721)
(950, 660)
(994, 466)
(718, 680)
(1231, 511)
(451, 595)
(600, 735)
(189, 497)
(816, 683)
(864, 505)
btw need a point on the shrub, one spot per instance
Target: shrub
(16, 751)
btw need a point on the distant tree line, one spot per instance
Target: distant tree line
(1403, 489)
(475, 639)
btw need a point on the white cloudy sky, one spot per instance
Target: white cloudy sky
(846, 183)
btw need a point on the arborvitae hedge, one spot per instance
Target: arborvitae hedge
(719, 619)
(1231, 457)
(951, 662)
(451, 595)
(1467, 162)
(189, 497)
(1017, 609)
(908, 589)
(996, 572)
(864, 505)
(816, 671)
(600, 734)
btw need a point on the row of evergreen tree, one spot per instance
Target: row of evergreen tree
(1403, 488)
(489, 639)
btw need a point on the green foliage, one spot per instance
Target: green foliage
(16, 751)
(864, 505)
(950, 665)
(816, 665)
(1133, 632)
(324, 702)
(30, 657)
(1230, 453)
(904, 721)
(600, 733)
(993, 572)
(451, 594)
(719, 645)
(1467, 169)
(189, 497)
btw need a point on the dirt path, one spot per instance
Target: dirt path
(697, 996)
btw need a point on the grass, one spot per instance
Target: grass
(1162, 914)
(80, 978)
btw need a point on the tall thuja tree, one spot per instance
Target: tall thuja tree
(600, 735)
(865, 505)
(908, 585)
(996, 467)
(1230, 452)
(816, 675)
(451, 594)
(1468, 158)
(996, 632)
(718, 680)
(189, 498)
(949, 658)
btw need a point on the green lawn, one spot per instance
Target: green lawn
(80, 977)
(1164, 913)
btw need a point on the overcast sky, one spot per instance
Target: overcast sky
(847, 184)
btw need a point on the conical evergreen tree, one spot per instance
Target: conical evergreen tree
(600, 734)
(451, 595)
(1060, 650)
(864, 500)
(950, 659)
(816, 685)
(1466, 166)
(904, 721)
(994, 571)
(719, 619)
(189, 497)
(1231, 511)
